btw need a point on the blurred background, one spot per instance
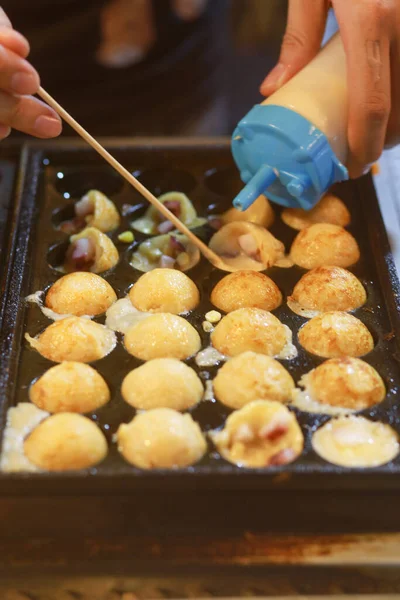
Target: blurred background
(152, 67)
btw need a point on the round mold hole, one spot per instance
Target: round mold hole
(161, 181)
(195, 263)
(224, 182)
(56, 255)
(64, 216)
(75, 184)
(133, 211)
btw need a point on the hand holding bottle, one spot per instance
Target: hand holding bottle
(370, 30)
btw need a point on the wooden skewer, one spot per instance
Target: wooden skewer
(204, 249)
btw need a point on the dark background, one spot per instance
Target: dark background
(200, 78)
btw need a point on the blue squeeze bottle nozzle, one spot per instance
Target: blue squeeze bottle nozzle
(278, 147)
(281, 154)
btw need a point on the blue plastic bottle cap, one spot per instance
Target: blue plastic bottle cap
(281, 154)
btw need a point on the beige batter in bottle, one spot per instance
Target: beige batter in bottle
(319, 93)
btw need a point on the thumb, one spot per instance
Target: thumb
(301, 42)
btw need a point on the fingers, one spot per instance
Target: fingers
(4, 131)
(12, 39)
(301, 42)
(17, 76)
(4, 20)
(28, 115)
(18, 81)
(13, 49)
(366, 28)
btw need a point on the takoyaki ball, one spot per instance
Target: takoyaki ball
(70, 387)
(66, 442)
(162, 383)
(261, 434)
(161, 438)
(330, 209)
(94, 209)
(243, 245)
(80, 294)
(165, 290)
(74, 339)
(249, 329)
(170, 251)
(250, 376)
(325, 289)
(162, 336)
(153, 222)
(91, 250)
(260, 213)
(336, 334)
(353, 441)
(324, 244)
(244, 289)
(344, 382)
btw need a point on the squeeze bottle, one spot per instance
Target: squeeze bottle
(293, 146)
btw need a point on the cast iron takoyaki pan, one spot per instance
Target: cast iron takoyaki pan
(52, 177)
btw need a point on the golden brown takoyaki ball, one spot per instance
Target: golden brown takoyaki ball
(162, 383)
(21, 420)
(325, 289)
(246, 289)
(354, 441)
(65, 442)
(162, 336)
(261, 434)
(80, 294)
(324, 244)
(259, 213)
(161, 439)
(165, 290)
(70, 387)
(243, 245)
(346, 382)
(336, 334)
(330, 209)
(90, 250)
(250, 376)
(74, 339)
(249, 329)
